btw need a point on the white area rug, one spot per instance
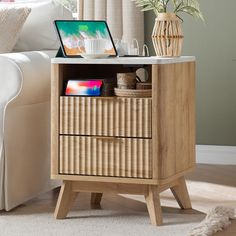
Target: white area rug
(105, 222)
(127, 215)
(37, 219)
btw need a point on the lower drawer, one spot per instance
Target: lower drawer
(105, 156)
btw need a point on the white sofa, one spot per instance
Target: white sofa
(25, 105)
(24, 126)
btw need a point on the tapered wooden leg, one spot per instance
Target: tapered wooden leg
(96, 199)
(181, 195)
(65, 200)
(154, 205)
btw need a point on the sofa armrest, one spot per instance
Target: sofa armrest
(25, 77)
(24, 125)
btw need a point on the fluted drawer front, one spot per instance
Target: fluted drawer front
(117, 157)
(121, 117)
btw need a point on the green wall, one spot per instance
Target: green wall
(214, 45)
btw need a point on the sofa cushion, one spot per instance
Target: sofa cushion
(38, 32)
(11, 21)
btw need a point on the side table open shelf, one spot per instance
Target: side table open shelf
(124, 145)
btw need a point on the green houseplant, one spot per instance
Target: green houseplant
(167, 33)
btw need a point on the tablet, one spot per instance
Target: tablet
(81, 37)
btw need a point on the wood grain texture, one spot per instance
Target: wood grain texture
(155, 122)
(56, 81)
(154, 205)
(114, 188)
(122, 180)
(65, 200)
(173, 118)
(105, 179)
(180, 193)
(191, 74)
(105, 156)
(121, 117)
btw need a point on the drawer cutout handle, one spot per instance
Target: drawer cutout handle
(106, 138)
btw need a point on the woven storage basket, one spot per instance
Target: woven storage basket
(133, 92)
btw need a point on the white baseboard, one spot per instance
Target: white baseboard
(219, 155)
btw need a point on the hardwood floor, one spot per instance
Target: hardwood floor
(218, 174)
(230, 231)
(216, 178)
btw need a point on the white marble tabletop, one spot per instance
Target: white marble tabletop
(124, 60)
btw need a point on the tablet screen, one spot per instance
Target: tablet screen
(85, 37)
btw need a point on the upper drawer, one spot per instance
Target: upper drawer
(113, 116)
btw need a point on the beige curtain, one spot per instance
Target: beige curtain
(123, 17)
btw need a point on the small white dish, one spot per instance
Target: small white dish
(94, 56)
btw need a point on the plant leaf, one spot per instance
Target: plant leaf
(191, 7)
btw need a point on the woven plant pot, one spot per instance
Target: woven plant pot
(167, 35)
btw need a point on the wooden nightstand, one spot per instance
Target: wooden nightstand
(124, 145)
